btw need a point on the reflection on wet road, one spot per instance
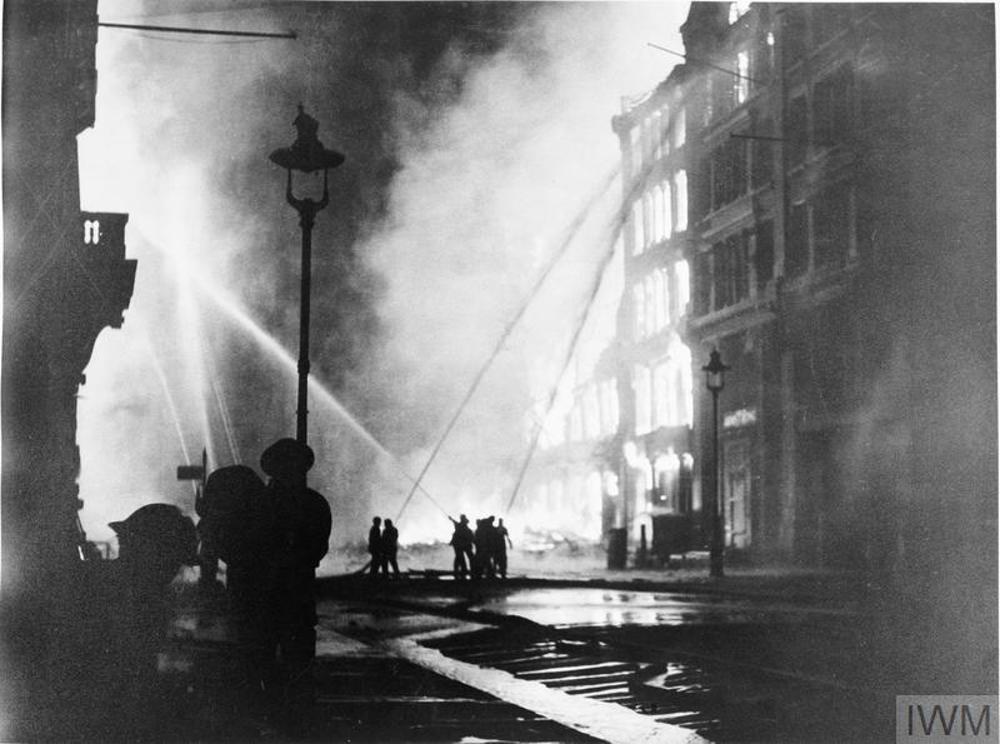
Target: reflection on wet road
(580, 607)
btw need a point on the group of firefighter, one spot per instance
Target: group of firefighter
(271, 537)
(383, 545)
(481, 553)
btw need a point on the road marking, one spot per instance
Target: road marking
(608, 721)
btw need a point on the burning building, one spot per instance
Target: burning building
(656, 461)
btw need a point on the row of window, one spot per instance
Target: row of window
(819, 232)
(660, 213)
(737, 165)
(663, 392)
(731, 81)
(818, 237)
(723, 274)
(831, 119)
(656, 136)
(806, 28)
(745, 161)
(660, 299)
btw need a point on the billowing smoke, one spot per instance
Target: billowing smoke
(478, 145)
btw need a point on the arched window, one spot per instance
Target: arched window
(662, 299)
(658, 233)
(638, 238)
(679, 126)
(682, 385)
(668, 222)
(681, 196)
(682, 276)
(647, 219)
(742, 81)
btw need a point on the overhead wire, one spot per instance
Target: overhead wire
(199, 31)
(703, 63)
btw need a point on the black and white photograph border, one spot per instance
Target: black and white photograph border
(498, 371)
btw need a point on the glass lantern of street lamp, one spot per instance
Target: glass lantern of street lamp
(307, 153)
(715, 372)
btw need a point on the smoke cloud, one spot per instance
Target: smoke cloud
(477, 136)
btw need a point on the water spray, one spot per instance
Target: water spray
(232, 309)
(571, 233)
(570, 352)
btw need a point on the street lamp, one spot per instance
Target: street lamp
(306, 154)
(715, 380)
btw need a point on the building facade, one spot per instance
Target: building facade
(659, 504)
(65, 279)
(572, 487)
(834, 211)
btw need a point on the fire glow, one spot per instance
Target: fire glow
(485, 185)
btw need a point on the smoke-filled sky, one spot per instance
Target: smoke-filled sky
(478, 145)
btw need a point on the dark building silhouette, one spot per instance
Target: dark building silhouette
(65, 279)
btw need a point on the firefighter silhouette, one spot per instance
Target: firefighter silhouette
(301, 524)
(237, 526)
(124, 610)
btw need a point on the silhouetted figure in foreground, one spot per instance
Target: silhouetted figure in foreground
(461, 543)
(237, 523)
(502, 541)
(390, 546)
(122, 622)
(375, 548)
(302, 525)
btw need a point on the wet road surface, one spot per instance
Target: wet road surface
(579, 607)
(717, 667)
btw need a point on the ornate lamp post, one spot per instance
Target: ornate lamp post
(308, 155)
(715, 380)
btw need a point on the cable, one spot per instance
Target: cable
(702, 62)
(202, 31)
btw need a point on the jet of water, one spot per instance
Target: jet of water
(571, 232)
(221, 299)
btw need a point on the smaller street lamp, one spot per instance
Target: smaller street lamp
(307, 155)
(715, 380)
